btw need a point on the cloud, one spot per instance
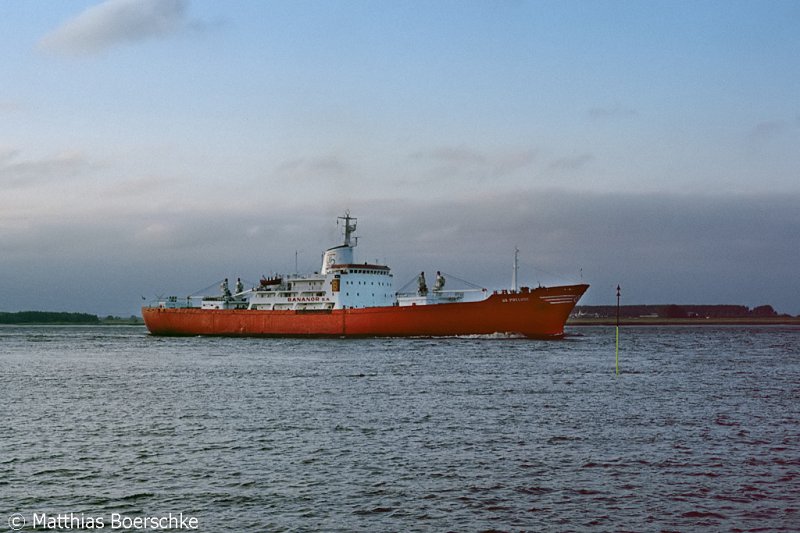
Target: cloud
(571, 163)
(147, 186)
(315, 177)
(27, 173)
(8, 106)
(768, 130)
(303, 168)
(116, 22)
(7, 154)
(611, 113)
(455, 155)
(662, 248)
(459, 161)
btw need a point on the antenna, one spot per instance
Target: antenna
(515, 272)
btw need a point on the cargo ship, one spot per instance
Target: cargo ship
(349, 299)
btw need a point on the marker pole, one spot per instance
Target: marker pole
(617, 348)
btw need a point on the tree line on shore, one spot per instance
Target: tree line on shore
(675, 311)
(55, 317)
(47, 317)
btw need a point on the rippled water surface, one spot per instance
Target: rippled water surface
(700, 431)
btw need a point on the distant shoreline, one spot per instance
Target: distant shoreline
(56, 318)
(658, 321)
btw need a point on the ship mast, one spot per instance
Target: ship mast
(515, 272)
(348, 227)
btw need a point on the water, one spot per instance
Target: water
(701, 431)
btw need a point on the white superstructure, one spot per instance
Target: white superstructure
(340, 284)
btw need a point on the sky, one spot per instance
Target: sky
(154, 147)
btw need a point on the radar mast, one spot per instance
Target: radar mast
(349, 228)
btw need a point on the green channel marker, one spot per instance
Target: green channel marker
(617, 349)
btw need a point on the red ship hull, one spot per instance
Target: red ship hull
(538, 313)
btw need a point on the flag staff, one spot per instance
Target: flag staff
(617, 348)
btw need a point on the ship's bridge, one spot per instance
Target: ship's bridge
(365, 285)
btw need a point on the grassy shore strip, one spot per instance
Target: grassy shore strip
(657, 321)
